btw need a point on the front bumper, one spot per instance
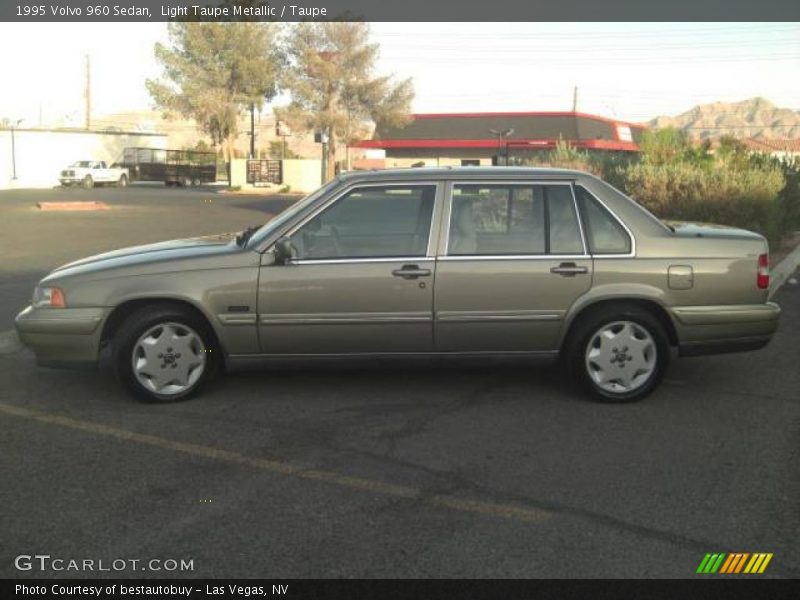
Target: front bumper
(68, 337)
(729, 328)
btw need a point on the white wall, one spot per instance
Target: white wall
(300, 174)
(42, 154)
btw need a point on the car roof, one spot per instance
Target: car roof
(460, 173)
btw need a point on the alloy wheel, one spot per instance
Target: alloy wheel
(621, 357)
(168, 358)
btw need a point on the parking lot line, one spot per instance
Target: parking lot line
(520, 513)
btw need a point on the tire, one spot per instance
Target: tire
(123, 181)
(164, 353)
(618, 353)
(88, 182)
(186, 182)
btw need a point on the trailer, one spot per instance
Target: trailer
(173, 167)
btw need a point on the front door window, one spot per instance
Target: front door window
(370, 222)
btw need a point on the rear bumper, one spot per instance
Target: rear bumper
(721, 329)
(68, 337)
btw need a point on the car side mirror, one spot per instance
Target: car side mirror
(285, 251)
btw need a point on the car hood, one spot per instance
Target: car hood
(151, 253)
(710, 230)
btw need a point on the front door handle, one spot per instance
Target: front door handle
(411, 272)
(569, 269)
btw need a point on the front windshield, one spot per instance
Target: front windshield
(82, 163)
(276, 222)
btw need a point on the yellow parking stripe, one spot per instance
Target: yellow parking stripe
(521, 513)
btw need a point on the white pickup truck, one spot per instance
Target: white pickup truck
(88, 173)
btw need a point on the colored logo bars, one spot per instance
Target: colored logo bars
(734, 563)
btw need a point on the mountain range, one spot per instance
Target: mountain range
(753, 118)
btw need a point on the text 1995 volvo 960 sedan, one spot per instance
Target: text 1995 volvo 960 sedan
(539, 263)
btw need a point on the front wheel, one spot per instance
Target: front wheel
(123, 181)
(619, 354)
(88, 182)
(165, 354)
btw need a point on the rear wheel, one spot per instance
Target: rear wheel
(123, 181)
(165, 354)
(88, 182)
(619, 353)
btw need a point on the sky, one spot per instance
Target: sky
(631, 71)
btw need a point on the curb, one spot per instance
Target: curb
(783, 270)
(78, 205)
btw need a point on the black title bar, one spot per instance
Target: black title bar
(405, 10)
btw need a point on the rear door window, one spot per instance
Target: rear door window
(500, 220)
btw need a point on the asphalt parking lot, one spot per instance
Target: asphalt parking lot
(480, 470)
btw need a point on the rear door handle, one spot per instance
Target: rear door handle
(411, 272)
(569, 269)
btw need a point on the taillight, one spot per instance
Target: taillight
(762, 276)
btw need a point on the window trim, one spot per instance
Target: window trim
(614, 216)
(445, 231)
(429, 255)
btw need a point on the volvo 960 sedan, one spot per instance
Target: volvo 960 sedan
(539, 263)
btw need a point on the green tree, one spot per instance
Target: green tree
(332, 85)
(279, 149)
(214, 71)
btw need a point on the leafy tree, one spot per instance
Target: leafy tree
(277, 149)
(332, 85)
(214, 71)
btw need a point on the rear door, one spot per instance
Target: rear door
(512, 259)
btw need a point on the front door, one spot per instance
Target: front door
(512, 261)
(362, 280)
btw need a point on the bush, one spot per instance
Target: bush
(744, 198)
(678, 180)
(564, 156)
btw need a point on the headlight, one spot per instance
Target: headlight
(52, 297)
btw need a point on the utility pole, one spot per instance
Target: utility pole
(14, 125)
(324, 174)
(88, 93)
(252, 130)
(575, 99)
(13, 156)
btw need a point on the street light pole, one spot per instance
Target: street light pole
(501, 135)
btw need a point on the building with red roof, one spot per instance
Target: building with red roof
(493, 138)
